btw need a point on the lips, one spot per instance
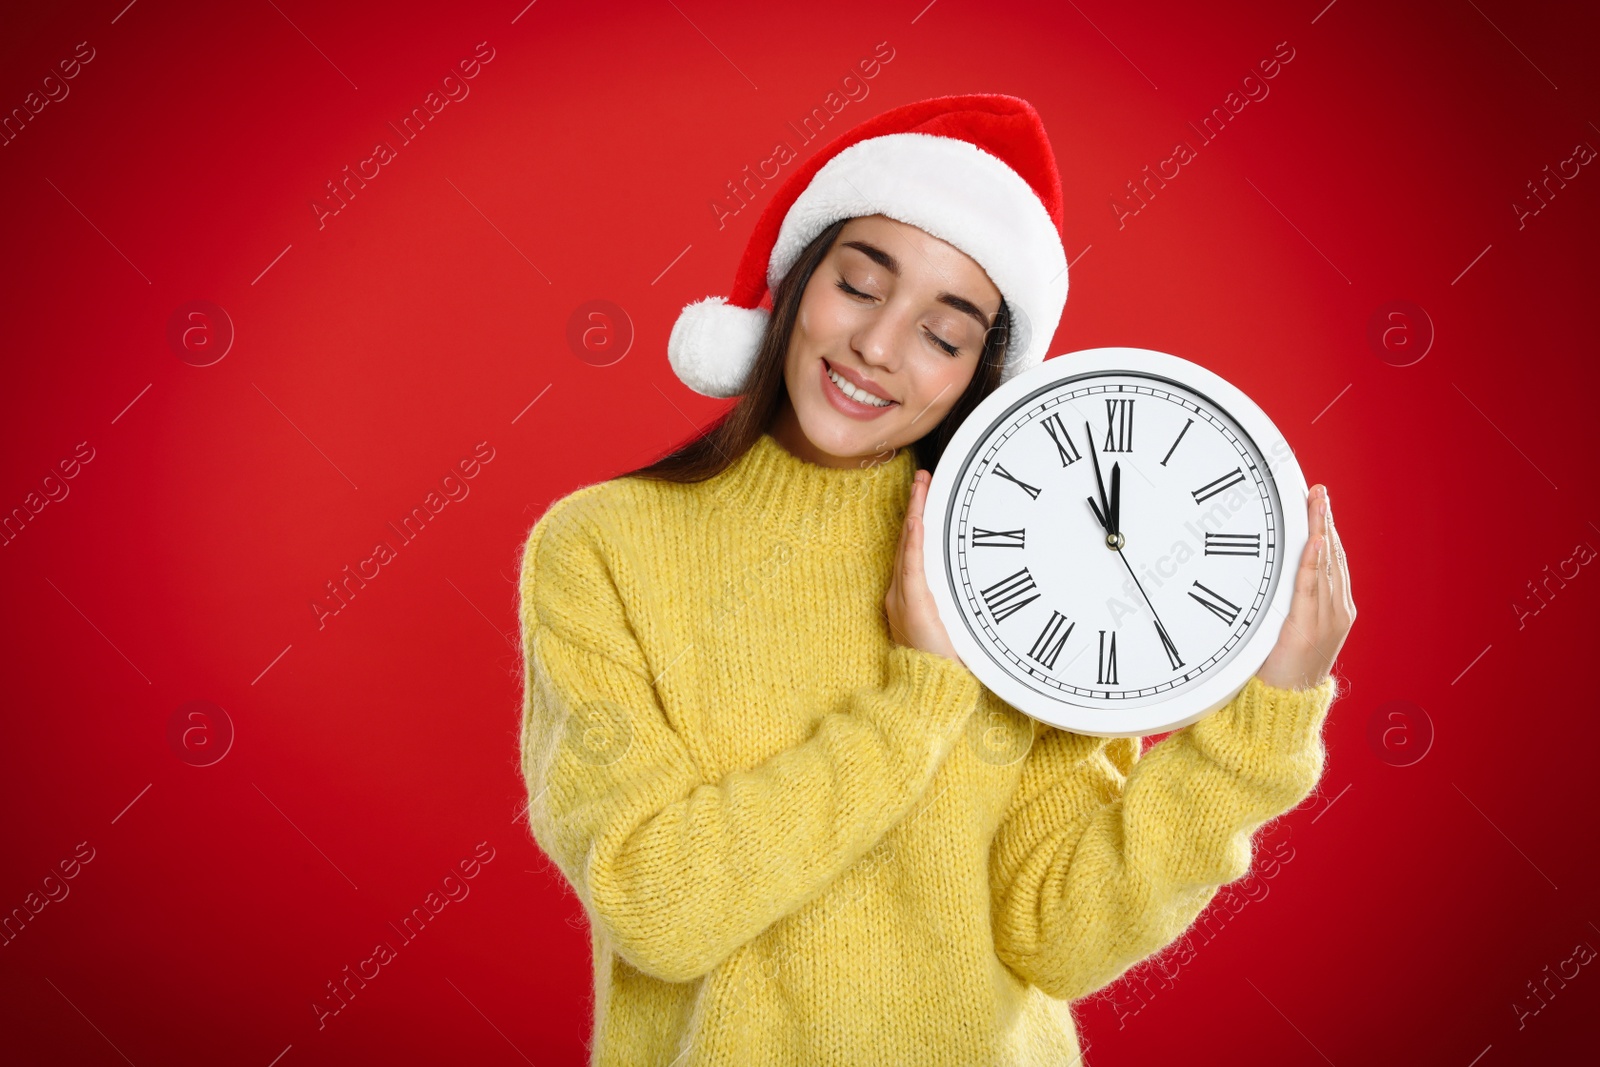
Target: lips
(859, 382)
(843, 404)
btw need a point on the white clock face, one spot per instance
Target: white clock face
(1110, 541)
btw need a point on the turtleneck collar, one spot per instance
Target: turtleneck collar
(815, 503)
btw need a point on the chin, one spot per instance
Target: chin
(828, 429)
(839, 435)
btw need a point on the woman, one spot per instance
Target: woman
(801, 830)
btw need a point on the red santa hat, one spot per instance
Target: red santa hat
(975, 171)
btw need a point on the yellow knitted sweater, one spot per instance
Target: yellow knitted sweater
(798, 842)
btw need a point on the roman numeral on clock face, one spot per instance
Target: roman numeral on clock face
(1010, 595)
(1051, 640)
(1119, 426)
(1008, 476)
(1107, 672)
(982, 538)
(1217, 604)
(1226, 544)
(1064, 444)
(1181, 432)
(1212, 488)
(1171, 649)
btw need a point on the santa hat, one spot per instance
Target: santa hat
(975, 171)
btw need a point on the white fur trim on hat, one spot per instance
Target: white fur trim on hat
(960, 194)
(713, 345)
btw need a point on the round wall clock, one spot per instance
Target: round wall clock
(1111, 540)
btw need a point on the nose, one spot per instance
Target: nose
(880, 340)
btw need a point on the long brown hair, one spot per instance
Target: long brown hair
(719, 446)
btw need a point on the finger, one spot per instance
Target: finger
(905, 525)
(1342, 573)
(1316, 523)
(912, 562)
(1344, 579)
(1317, 603)
(1330, 554)
(1305, 582)
(895, 590)
(1315, 542)
(919, 496)
(915, 582)
(1341, 569)
(1335, 590)
(900, 555)
(1325, 602)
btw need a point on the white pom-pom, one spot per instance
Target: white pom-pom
(713, 345)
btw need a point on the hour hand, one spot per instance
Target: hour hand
(1099, 516)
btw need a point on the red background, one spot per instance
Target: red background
(374, 753)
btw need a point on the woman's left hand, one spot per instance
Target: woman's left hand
(909, 605)
(1321, 611)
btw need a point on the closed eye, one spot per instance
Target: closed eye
(947, 346)
(852, 291)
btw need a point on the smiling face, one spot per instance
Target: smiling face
(894, 312)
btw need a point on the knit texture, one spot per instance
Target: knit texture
(797, 842)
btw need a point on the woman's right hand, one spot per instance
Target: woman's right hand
(913, 615)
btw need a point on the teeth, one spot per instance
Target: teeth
(859, 395)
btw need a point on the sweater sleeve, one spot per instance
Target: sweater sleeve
(1105, 857)
(675, 870)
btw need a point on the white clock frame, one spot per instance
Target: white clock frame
(1158, 713)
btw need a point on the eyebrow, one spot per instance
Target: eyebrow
(892, 265)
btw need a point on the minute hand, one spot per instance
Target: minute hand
(1116, 499)
(1104, 511)
(1162, 630)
